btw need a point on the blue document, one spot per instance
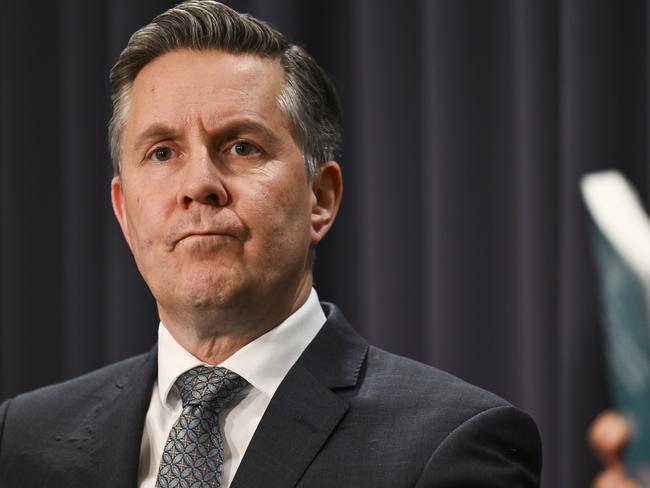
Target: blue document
(621, 241)
(627, 344)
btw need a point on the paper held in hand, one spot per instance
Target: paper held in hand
(621, 242)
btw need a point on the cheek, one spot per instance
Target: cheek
(146, 224)
(287, 228)
(280, 211)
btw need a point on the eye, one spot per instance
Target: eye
(161, 153)
(243, 149)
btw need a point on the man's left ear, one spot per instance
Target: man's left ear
(327, 190)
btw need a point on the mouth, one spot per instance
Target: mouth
(200, 234)
(203, 234)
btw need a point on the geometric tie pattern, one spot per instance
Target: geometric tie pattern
(193, 454)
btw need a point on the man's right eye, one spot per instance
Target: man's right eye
(162, 154)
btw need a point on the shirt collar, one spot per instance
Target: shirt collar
(263, 362)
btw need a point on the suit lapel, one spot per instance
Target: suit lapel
(305, 409)
(118, 425)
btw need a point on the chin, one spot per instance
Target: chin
(217, 292)
(208, 300)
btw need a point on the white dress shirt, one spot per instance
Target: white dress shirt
(263, 363)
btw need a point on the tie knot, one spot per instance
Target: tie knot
(215, 387)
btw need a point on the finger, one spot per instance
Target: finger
(608, 435)
(613, 478)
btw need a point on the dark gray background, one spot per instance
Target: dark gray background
(462, 241)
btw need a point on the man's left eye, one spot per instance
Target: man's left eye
(243, 148)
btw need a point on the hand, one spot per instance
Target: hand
(608, 435)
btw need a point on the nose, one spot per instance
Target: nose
(203, 183)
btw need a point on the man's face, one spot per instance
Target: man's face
(214, 199)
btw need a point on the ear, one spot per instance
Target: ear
(327, 190)
(117, 197)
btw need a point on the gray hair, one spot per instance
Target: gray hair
(308, 96)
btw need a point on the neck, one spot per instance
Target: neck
(213, 336)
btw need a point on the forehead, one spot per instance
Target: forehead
(205, 87)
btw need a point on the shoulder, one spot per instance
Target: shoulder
(468, 432)
(386, 381)
(413, 382)
(423, 396)
(440, 430)
(69, 420)
(65, 397)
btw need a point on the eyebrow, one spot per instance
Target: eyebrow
(155, 132)
(247, 126)
(160, 131)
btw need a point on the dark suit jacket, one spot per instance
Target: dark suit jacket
(346, 415)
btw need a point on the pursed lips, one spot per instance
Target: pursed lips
(205, 233)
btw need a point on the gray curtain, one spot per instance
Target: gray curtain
(462, 241)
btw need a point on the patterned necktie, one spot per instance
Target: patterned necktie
(193, 453)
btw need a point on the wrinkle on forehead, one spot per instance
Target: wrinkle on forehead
(205, 87)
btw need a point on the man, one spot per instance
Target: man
(223, 139)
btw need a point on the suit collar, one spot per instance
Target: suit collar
(305, 409)
(263, 362)
(301, 416)
(116, 432)
(336, 354)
